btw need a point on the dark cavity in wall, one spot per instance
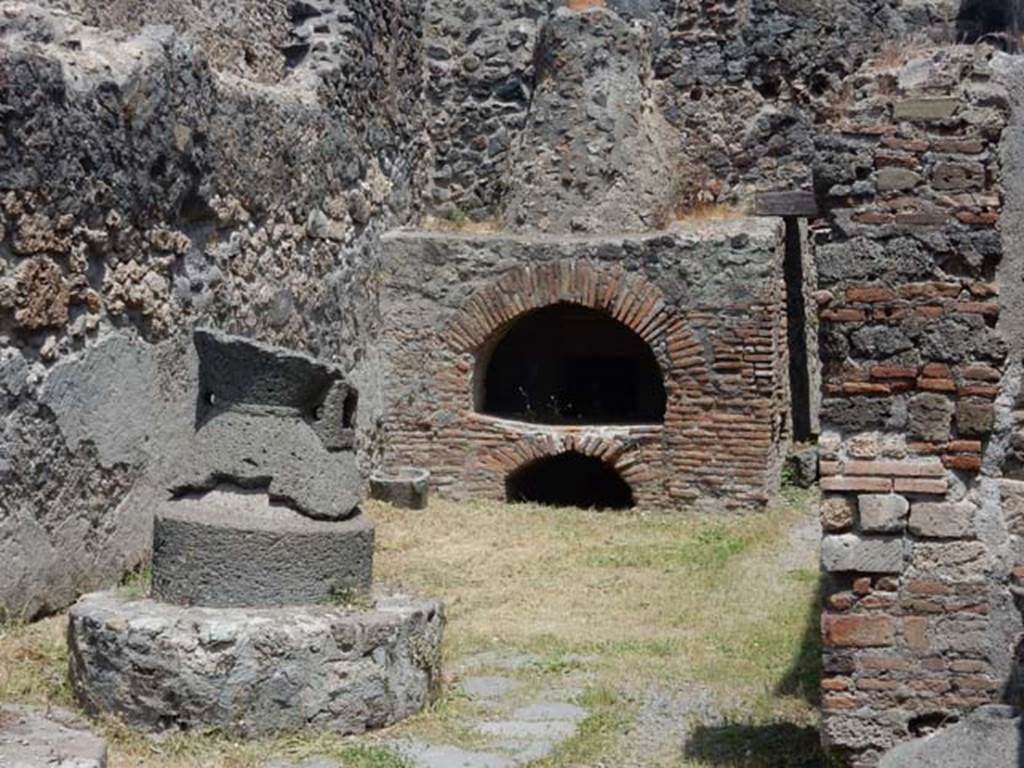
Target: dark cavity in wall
(569, 480)
(796, 309)
(568, 364)
(992, 21)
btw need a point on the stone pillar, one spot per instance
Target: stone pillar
(595, 154)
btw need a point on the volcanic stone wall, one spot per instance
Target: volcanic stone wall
(918, 262)
(153, 181)
(708, 299)
(744, 84)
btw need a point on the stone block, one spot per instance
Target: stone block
(926, 109)
(1011, 493)
(50, 738)
(892, 178)
(276, 419)
(234, 548)
(838, 512)
(861, 554)
(915, 633)
(990, 737)
(858, 631)
(405, 487)
(881, 513)
(930, 416)
(942, 520)
(975, 417)
(954, 560)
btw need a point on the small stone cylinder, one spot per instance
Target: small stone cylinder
(405, 488)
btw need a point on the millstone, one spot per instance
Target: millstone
(248, 671)
(237, 549)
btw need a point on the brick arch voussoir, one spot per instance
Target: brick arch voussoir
(618, 454)
(627, 296)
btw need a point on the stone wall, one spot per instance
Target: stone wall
(707, 298)
(918, 261)
(743, 83)
(151, 182)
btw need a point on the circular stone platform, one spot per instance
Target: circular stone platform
(249, 671)
(236, 549)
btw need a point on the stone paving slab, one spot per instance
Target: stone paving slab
(54, 738)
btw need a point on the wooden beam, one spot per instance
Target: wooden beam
(791, 203)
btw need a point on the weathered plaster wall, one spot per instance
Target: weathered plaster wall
(144, 191)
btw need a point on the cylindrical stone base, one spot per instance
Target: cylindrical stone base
(238, 550)
(251, 671)
(405, 488)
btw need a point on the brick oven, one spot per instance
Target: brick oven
(660, 356)
(595, 348)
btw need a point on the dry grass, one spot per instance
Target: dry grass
(710, 212)
(633, 599)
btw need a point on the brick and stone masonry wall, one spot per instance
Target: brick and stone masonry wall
(744, 84)
(709, 301)
(918, 622)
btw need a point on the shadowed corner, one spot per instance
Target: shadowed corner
(776, 744)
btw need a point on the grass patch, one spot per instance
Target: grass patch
(623, 601)
(137, 584)
(595, 734)
(33, 663)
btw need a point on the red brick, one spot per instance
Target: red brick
(853, 631)
(911, 468)
(922, 587)
(964, 463)
(835, 684)
(889, 372)
(831, 701)
(936, 371)
(980, 391)
(918, 485)
(844, 315)
(978, 308)
(985, 219)
(865, 388)
(857, 484)
(870, 294)
(964, 446)
(929, 290)
(936, 385)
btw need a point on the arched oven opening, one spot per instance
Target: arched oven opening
(569, 480)
(567, 364)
